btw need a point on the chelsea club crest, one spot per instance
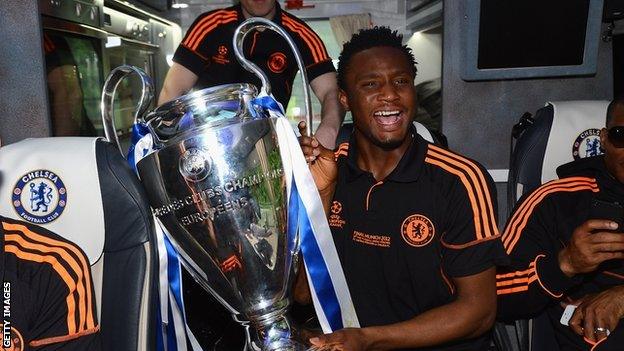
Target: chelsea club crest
(39, 196)
(587, 144)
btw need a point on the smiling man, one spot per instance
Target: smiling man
(413, 224)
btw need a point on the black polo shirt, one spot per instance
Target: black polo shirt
(207, 51)
(48, 301)
(400, 240)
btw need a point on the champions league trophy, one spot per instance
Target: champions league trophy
(217, 184)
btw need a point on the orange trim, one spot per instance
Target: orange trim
(519, 220)
(480, 187)
(196, 53)
(86, 268)
(613, 274)
(468, 244)
(525, 278)
(62, 272)
(593, 344)
(199, 30)
(369, 192)
(544, 187)
(207, 31)
(253, 44)
(467, 185)
(596, 344)
(447, 281)
(316, 63)
(48, 341)
(309, 37)
(540, 281)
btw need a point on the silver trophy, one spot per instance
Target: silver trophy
(217, 185)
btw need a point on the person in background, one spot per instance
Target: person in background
(48, 295)
(206, 58)
(566, 244)
(413, 224)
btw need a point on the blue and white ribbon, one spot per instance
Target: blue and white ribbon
(328, 286)
(171, 317)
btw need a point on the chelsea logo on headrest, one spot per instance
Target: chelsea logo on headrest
(587, 144)
(39, 196)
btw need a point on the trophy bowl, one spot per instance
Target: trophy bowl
(221, 194)
(216, 183)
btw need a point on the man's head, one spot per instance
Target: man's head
(376, 80)
(258, 8)
(612, 139)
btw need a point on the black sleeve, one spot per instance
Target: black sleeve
(192, 51)
(65, 297)
(533, 279)
(471, 242)
(310, 45)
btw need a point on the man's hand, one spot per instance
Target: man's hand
(348, 339)
(591, 245)
(601, 311)
(324, 169)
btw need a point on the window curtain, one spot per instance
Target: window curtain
(345, 26)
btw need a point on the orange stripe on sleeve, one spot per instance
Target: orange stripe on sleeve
(196, 30)
(476, 187)
(206, 27)
(520, 218)
(313, 42)
(519, 281)
(481, 186)
(62, 272)
(86, 271)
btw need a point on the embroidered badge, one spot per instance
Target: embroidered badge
(39, 196)
(587, 144)
(277, 62)
(417, 230)
(335, 219)
(221, 56)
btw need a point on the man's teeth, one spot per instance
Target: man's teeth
(386, 113)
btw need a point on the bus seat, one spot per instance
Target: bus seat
(561, 132)
(89, 195)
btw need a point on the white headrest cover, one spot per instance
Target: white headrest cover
(53, 182)
(574, 133)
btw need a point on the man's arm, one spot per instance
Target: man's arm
(542, 269)
(469, 316)
(325, 88)
(179, 81)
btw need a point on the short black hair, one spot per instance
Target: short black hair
(367, 39)
(617, 101)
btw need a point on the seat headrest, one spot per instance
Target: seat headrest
(54, 183)
(574, 133)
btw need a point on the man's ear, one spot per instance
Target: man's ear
(603, 137)
(344, 100)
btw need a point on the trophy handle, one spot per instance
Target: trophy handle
(108, 93)
(239, 37)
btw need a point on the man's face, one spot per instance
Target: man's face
(380, 94)
(258, 8)
(614, 156)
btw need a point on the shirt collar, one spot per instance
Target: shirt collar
(409, 166)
